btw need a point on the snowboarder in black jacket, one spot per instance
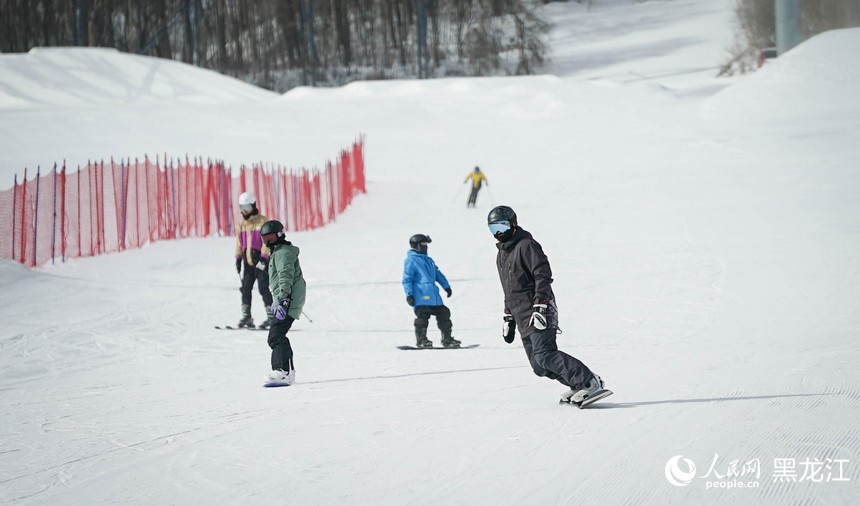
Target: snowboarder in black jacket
(530, 306)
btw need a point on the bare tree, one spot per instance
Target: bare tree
(315, 41)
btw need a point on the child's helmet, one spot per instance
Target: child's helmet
(272, 227)
(417, 239)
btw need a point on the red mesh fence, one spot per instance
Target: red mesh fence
(118, 205)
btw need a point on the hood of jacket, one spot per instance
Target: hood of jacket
(518, 235)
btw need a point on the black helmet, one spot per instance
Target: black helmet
(272, 227)
(417, 239)
(502, 213)
(502, 220)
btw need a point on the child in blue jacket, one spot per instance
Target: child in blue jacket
(420, 276)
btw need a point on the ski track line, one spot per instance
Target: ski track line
(94, 455)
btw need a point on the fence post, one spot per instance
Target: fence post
(173, 197)
(213, 196)
(146, 170)
(14, 213)
(90, 172)
(123, 210)
(137, 198)
(80, 224)
(204, 198)
(224, 197)
(22, 258)
(54, 221)
(187, 171)
(63, 215)
(137, 219)
(36, 215)
(228, 189)
(276, 178)
(100, 207)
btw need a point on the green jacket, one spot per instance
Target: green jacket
(285, 277)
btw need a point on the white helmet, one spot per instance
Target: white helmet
(247, 199)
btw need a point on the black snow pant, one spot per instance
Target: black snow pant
(282, 352)
(473, 196)
(546, 360)
(249, 275)
(422, 319)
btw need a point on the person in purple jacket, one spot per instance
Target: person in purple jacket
(420, 276)
(253, 255)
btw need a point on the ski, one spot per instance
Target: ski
(596, 396)
(229, 327)
(466, 347)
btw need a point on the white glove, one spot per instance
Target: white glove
(508, 326)
(538, 319)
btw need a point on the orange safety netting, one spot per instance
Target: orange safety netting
(114, 206)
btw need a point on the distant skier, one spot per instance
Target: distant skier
(530, 306)
(420, 275)
(254, 256)
(478, 178)
(288, 286)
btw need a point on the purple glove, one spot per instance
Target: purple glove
(279, 309)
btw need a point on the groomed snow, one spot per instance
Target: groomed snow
(704, 235)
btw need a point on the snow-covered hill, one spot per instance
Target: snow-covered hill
(704, 243)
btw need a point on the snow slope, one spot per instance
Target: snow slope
(704, 245)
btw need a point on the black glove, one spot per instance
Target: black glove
(448, 291)
(262, 264)
(410, 300)
(509, 325)
(539, 318)
(239, 265)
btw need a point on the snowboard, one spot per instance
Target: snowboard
(461, 347)
(271, 384)
(591, 399)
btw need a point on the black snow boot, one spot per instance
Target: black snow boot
(448, 341)
(421, 340)
(246, 320)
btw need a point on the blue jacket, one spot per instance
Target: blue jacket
(420, 276)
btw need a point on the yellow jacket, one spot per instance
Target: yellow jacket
(477, 178)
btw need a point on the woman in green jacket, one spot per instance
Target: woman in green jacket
(288, 290)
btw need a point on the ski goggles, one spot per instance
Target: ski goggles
(499, 227)
(246, 207)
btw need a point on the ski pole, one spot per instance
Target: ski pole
(308, 317)
(456, 195)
